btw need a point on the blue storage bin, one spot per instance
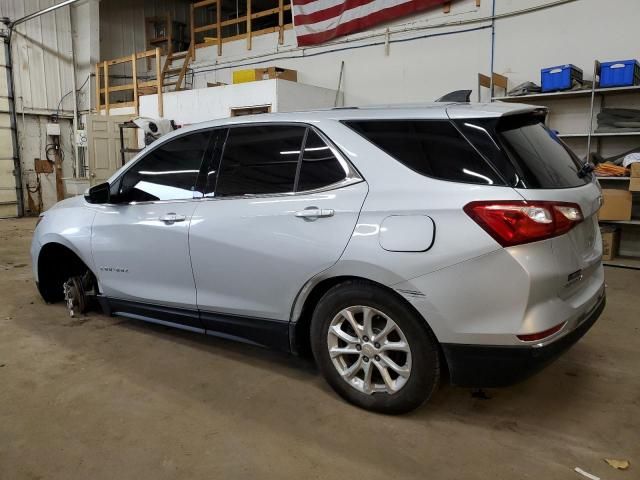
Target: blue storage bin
(622, 73)
(560, 77)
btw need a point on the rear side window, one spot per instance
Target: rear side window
(319, 166)
(433, 148)
(525, 151)
(260, 159)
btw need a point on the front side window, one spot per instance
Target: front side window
(433, 148)
(259, 159)
(168, 172)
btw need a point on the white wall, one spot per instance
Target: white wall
(191, 106)
(425, 68)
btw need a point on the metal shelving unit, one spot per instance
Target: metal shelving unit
(596, 102)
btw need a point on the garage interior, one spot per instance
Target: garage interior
(95, 396)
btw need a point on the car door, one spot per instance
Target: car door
(140, 242)
(278, 214)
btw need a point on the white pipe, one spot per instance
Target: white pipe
(40, 12)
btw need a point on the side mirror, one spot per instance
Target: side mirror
(99, 193)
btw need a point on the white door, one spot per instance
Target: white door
(140, 241)
(8, 193)
(261, 237)
(103, 136)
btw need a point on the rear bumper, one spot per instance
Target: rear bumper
(498, 366)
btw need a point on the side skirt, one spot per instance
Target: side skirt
(263, 332)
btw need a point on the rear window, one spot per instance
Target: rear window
(434, 148)
(525, 151)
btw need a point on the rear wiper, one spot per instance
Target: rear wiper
(586, 169)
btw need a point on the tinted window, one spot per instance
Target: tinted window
(168, 172)
(259, 160)
(541, 157)
(319, 167)
(529, 154)
(430, 147)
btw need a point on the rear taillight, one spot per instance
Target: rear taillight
(516, 222)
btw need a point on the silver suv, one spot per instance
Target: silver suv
(398, 245)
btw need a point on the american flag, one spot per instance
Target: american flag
(317, 21)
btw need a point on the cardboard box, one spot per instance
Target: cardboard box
(634, 184)
(610, 240)
(635, 170)
(255, 74)
(616, 205)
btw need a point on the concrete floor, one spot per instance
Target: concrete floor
(98, 397)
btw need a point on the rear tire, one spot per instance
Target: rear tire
(383, 355)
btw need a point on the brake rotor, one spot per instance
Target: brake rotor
(74, 295)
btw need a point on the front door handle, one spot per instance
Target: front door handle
(171, 218)
(314, 212)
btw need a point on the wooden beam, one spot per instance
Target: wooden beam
(233, 21)
(205, 28)
(204, 3)
(147, 53)
(106, 86)
(280, 21)
(159, 79)
(265, 13)
(118, 88)
(98, 67)
(248, 24)
(218, 26)
(134, 70)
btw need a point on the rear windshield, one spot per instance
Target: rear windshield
(516, 151)
(527, 153)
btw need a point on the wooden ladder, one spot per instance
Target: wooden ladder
(172, 67)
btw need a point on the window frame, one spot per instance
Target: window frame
(352, 175)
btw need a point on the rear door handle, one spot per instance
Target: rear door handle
(314, 212)
(172, 218)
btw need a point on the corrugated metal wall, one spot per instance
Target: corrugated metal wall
(42, 55)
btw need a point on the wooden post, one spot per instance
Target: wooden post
(134, 70)
(280, 22)
(218, 26)
(98, 88)
(159, 79)
(106, 86)
(248, 24)
(193, 32)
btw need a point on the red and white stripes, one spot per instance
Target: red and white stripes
(317, 21)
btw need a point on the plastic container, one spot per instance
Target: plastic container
(559, 78)
(623, 73)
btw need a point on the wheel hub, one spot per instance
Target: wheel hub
(369, 350)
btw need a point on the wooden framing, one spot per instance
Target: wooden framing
(136, 87)
(219, 39)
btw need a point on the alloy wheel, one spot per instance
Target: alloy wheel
(369, 350)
